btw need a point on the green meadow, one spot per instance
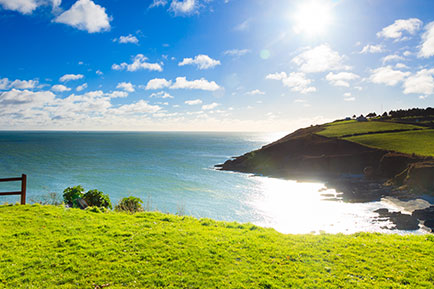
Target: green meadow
(418, 142)
(56, 247)
(344, 128)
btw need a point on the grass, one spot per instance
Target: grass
(351, 127)
(55, 247)
(418, 142)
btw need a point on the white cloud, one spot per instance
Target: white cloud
(24, 84)
(183, 7)
(117, 94)
(243, 26)
(139, 62)
(210, 106)
(427, 48)
(193, 102)
(68, 77)
(85, 15)
(297, 81)
(236, 52)
(127, 39)
(350, 98)
(255, 92)
(392, 57)
(407, 53)
(22, 6)
(161, 94)
(4, 83)
(158, 83)
(372, 49)
(127, 86)
(140, 107)
(201, 61)
(319, 59)
(341, 78)
(202, 84)
(396, 29)
(422, 82)
(157, 3)
(60, 88)
(387, 75)
(99, 72)
(15, 101)
(81, 87)
(401, 66)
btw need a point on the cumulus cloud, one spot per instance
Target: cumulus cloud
(68, 77)
(202, 84)
(319, 59)
(395, 30)
(60, 88)
(127, 39)
(85, 15)
(297, 81)
(341, 78)
(24, 84)
(158, 83)
(157, 3)
(139, 62)
(427, 47)
(127, 86)
(421, 82)
(201, 61)
(193, 102)
(139, 107)
(183, 7)
(15, 101)
(387, 75)
(161, 94)
(4, 83)
(392, 57)
(22, 6)
(372, 49)
(210, 106)
(81, 87)
(117, 94)
(255, 92)
(236, 52)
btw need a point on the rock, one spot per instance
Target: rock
(426, 215)
(401, 221)
(420, 176)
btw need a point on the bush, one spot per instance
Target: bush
(95, 198)
(70, 195)
(130, 204)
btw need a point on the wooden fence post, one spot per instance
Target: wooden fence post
(23, 188)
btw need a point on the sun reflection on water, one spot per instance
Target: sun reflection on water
(294, 207)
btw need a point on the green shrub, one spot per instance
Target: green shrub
(130, 204)
(70, 195)
(97, 198)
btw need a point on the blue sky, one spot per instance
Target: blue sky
(245, 65)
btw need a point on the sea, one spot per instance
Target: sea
(173, 172)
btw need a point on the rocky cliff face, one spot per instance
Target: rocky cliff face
(306, 155)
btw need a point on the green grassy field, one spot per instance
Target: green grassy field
(418, 142)
(54, 247)
(343, 128)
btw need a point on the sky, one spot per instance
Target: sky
(210, 65)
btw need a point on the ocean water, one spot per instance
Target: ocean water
(174, 172)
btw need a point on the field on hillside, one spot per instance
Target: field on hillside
(418, 142)
(339, 129)
(55, 247)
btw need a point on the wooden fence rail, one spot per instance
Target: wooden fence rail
(23, 180)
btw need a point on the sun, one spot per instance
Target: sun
(313, 17)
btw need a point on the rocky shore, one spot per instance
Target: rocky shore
(359, 173)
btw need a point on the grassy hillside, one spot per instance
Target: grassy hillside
(54, 247)
(343, 128)
(418, 142)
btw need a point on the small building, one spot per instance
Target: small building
(361, 118)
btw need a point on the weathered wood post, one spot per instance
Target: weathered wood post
(23, 188)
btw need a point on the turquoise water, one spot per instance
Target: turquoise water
(174, 172)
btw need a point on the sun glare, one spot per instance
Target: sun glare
(313, 17)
